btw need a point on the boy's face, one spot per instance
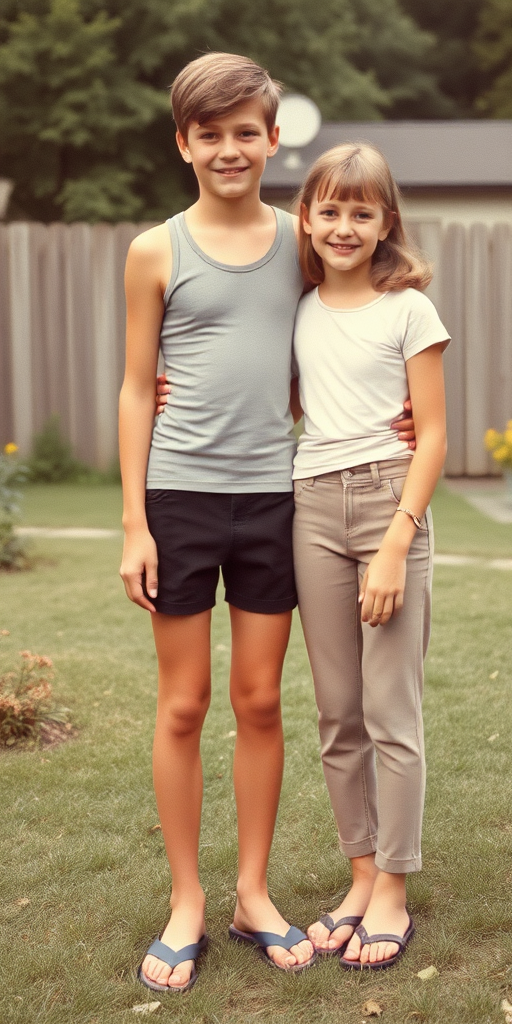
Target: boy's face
(229, 153)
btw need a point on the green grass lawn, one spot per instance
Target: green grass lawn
(77, 840)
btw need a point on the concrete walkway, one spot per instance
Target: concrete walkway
(78, 533)
(488, 494)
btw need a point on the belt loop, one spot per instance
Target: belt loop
(374, 468)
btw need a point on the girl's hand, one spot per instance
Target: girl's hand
(163, 388)
(140, 559)
(382, 589)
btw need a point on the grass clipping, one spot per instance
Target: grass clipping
(28, 710)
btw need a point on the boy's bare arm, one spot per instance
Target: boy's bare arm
(147, 272)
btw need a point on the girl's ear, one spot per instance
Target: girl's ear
(183, 148)
(304, 218)
(389, 220)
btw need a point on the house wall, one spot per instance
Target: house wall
(465, 206)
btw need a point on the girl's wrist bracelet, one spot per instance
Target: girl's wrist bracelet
(416, 521)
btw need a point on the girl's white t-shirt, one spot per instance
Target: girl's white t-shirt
(352, 376)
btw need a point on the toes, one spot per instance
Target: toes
(318, 935)
(302, 952)
(282, 957)
(156, 970)
(285, 958)
(354, 951)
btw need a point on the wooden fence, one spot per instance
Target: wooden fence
(62, 332)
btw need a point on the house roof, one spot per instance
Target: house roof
(421, 154)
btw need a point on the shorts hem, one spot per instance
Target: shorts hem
(179, 608)
(262, 607)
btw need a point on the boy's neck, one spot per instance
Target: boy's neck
(228, 214)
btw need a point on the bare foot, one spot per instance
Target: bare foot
(185, 927)
(355, 904)
(256, 913)
(386, 914)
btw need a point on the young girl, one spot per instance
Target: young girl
(364, 338)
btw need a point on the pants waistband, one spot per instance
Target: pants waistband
(374, 471)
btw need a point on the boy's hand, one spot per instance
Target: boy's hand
(405, 425)
(382, 589)
(162, 390)
(140, 561)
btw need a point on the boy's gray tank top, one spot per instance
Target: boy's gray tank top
(226, 340)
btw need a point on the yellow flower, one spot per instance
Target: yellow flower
(502, 453)
(491, 439)
(10, 448)
(507, 437)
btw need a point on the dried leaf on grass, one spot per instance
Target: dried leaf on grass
(494, 736)
(507, 1009)
(372, 1009)
(154, 828)
(23, 902)
(494, 675)
(428, 973)
(146, 1008)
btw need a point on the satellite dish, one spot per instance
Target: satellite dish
(299, 121)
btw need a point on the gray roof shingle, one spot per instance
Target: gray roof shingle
(420, 153)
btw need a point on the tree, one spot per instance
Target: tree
(493, 51)
(453, 62)
(84, 118)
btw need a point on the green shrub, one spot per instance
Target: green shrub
(52, 459)
(13, 474)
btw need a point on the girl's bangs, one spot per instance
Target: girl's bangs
(345, 181)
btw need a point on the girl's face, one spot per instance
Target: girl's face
(345, 233)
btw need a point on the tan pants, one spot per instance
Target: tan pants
(368, 681)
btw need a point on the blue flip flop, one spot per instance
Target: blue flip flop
(173, 957)
(264, 939)
(366, 940)
(331, 926)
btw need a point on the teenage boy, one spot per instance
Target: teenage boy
(209, 486)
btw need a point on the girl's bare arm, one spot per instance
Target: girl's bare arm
(384, 581)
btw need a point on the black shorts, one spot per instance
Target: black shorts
(248, 536)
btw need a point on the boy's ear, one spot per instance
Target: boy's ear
(273, 141)
(304, 219)
(183, 148)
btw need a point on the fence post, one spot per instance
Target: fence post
(478, 358)
(20, 335)
(452, 310)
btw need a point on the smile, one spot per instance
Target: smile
(340, 247)
(231, 172)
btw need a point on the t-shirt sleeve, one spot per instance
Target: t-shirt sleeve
(423, 325)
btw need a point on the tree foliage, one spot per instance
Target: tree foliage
(84, 119)
(493, 50)
(453, 61)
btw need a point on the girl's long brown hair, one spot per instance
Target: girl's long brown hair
(358, 170)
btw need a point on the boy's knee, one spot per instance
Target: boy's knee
(259, 708)
(183, 717)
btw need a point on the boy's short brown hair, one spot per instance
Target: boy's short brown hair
(213, 85)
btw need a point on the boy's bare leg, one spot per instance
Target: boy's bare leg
(183, 649)
(259, 645)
